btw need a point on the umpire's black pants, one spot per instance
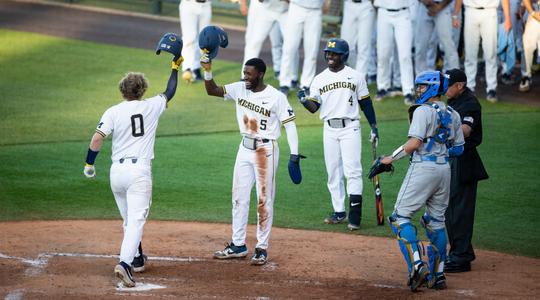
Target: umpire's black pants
(460, 219)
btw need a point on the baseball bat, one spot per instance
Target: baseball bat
(378, 195)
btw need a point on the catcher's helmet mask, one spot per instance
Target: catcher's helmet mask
(430, 84)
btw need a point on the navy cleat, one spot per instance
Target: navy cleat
(231, 251)
(123, 272)
(260, 257)
(284, 89)
(138, 263)
(336, 218)
(437, 283)
(418, 276)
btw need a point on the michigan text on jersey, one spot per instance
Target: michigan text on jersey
(337, 85)
(254, 107)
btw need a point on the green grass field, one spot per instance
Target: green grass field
(54, 91)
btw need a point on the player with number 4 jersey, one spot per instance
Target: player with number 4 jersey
(337, 93)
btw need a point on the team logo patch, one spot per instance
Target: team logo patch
(468, 119)
(331, 45)
(172, 38)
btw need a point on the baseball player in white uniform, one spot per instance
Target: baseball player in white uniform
(266, 18)
(531, 41)
(194, 16)
(357, 28)
(434, 14)
(434, 135)
(132, 123)
(304, 19)
(338, 92)
(394, 23)
(481, 24)
(260, 111)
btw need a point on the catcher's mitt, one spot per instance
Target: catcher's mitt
(379, 167)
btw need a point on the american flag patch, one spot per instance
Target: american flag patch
(468, 119)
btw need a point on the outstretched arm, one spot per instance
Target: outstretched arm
(210, 85)
(173, 80)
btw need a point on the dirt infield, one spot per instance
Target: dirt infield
(75, 259)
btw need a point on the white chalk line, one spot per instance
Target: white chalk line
(43, 258)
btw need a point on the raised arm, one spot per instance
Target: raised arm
(212, 88)
(173, 79)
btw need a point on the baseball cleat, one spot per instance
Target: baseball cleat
(231, 251)
(437, 283)
(138, 263)
(381, 94)
(336, 218)
(260, 257)
(123, 272)
(525, 84)
(353, 227)
(187, 76)
(408, 100)
(492, 96)
(284, 89)
(418, 276)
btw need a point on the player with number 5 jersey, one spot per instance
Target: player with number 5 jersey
(260, 110)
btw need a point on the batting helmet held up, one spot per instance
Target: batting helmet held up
(435, 82)
(170, 42)
(338, 46)
(211, 38)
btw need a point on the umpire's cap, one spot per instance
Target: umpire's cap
(171, 43)
(339, 46)
(456, 75)
(211, 38)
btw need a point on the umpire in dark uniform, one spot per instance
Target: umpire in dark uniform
(467, 170)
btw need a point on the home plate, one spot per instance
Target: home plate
(139, 287)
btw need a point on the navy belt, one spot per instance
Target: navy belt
(122, 160)
(396, 10)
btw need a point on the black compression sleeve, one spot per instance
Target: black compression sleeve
(171, 85)
(367, 107)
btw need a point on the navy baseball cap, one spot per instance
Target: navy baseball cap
(456, 75)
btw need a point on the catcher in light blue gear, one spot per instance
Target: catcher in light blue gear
(434, 135)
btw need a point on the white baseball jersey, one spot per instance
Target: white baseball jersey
(339, 92)
(133, 125)
(391, 4)
(259, 114)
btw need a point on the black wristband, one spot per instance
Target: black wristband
(91, 156)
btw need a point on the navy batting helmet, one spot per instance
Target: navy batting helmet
(211, 38)
(430, 84)
(171, 43)
(339, 46)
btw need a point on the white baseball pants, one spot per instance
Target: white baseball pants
(442, 23)
(481, 24)
(306, 23)
(194, 17)
(342, 152)
(260, 167)
(131, 184)
(394, 26)
(531, 41)
(356, 29)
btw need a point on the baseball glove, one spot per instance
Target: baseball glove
(379, 167)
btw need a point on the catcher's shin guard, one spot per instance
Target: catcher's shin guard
(437, 237)
(355, 209)
(408, 243)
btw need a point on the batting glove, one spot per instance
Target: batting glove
(89, 171)
(206, 63)
(374, 136)
(301, 94)
(177, 62)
